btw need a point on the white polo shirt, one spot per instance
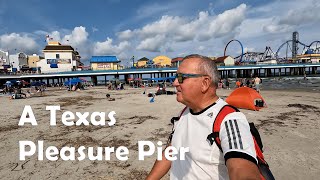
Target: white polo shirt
(205, 161)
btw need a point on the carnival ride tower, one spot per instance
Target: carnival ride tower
(295, 40)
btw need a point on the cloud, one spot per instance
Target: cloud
(94, 29)
(224, 24)
(151, 10)
(176, 31)
(164, 34)
(302, 15)
(18, 43)
(78, 37)
(299, 14)
(188, 31)
(201, 48)
(108, 48)
(165, 26)
(248, 49)
(55, 35)
(277, 28)
(125, 35)
(153, 44)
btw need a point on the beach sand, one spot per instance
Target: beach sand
(289, 127)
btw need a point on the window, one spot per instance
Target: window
(57, 56)
(52, 61)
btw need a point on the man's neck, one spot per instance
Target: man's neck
(205, 102)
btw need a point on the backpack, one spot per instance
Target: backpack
(263, 166)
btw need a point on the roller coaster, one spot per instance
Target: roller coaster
(288, 51)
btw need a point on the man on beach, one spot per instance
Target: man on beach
(196, 83)
(257, 82)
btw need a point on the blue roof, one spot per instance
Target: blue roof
(104, 59)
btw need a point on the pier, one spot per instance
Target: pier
(145, 73)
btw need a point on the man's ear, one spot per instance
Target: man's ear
(206, 83)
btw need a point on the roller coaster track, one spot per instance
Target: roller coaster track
(225, 49)
(305, 48)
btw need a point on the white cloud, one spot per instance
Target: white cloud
(206, 32)
(55, 35)
(162, 35)
(248, 49)
(288, 15)
(78, 37)
(166, 25)
(188, 31)
(302, 15)
(94, 29)
(108, 48)
(125, 35)
(153, 44)
(18, 43)
(201, 48)
(225, 23)
(278, 28)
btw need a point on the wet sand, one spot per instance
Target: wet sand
(289, 127)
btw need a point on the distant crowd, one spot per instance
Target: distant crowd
(254, 83)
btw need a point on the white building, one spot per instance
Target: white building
(18, 61)
(224, 61)
(4, 59)
(59, 58)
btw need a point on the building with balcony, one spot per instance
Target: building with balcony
(59, 58)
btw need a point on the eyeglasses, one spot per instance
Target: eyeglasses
(181, 76)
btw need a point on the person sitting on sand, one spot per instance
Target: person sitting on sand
(109, 98)
(19, 92)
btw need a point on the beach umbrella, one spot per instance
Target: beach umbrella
(83, 79)
(76, 80)
(73, 81)
(37, 83)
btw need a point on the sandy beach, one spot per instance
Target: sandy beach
(289, 127)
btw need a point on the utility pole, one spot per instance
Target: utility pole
(295, 40)
(132, 61)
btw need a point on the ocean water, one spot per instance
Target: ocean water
(288, 83)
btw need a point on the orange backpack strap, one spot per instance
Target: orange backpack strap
(265, 173)
(214, 136)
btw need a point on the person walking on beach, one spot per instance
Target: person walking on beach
(257, 82)
(248, 82)
(227, 84)
(196, 83)
(238, 83)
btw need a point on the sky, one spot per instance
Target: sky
(149, 28)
